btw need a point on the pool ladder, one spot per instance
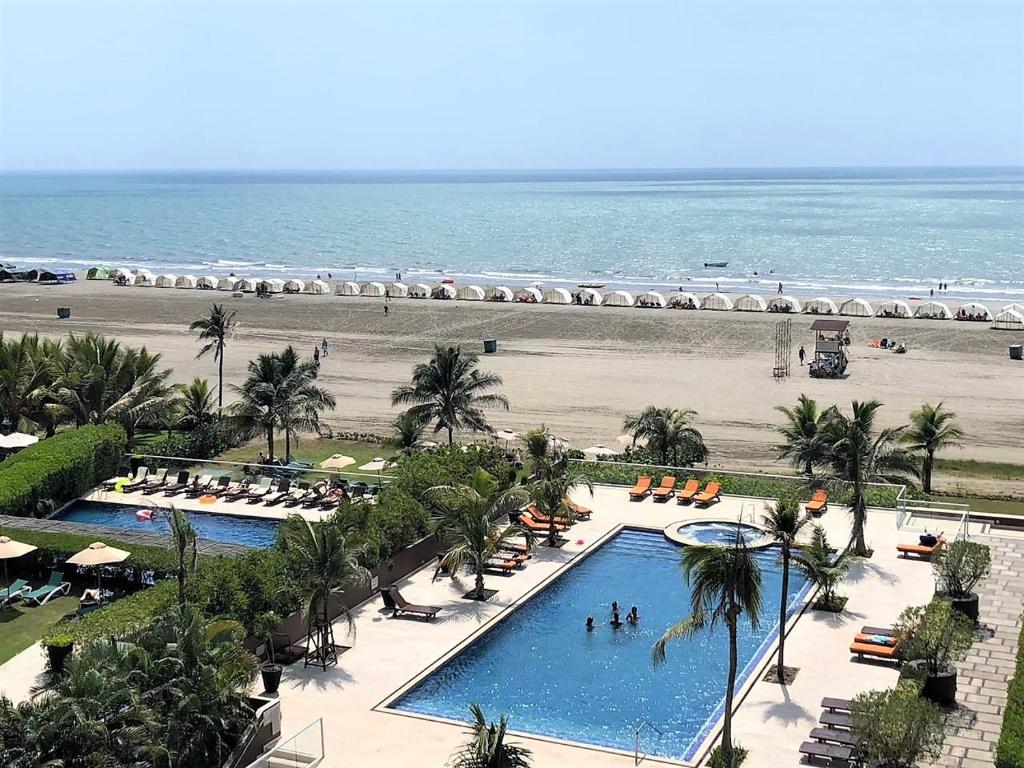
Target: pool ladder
(748, 512)
(636, 737)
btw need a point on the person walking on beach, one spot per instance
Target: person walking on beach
(386, 310)
(801, 354)
(716, 287)
(780, 287)
(931, 293)
(316, 356)
(323, 347)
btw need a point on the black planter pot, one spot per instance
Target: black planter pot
(271, 674)
(968, 606)
(940, 688)
(58, 654)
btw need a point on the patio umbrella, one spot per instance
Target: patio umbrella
(17, 440)
(599, 450)
(627, 440)
(506, 435)
(376, 465)
(9, 549)
(98, 554)
(337, 461)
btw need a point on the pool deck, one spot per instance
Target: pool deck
(237, 508)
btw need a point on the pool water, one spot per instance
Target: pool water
(707, 532)
(230, 529)
(554, 678)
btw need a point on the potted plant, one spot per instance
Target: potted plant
(912, 732)
(959, 567)
(58, 648)
(933, 638)
(265, 626)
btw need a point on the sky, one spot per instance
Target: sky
(509, 84)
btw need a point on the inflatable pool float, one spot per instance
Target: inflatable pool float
(207, 499)
(120, 484)
(144, 514)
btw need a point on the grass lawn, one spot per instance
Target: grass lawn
(987, 469)
(991, 506)
(314, 450)
(21, 626)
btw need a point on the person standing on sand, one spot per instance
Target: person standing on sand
(931, 293)
(716, 287)
(801, 354)
(780, 287)
(386, 310)
(316, 356)
(323, 347)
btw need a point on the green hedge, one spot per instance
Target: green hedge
(60, 468)
(120, 619)
(54, 548)
(203, 442)
(1010, 749)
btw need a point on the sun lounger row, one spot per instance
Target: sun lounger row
(690, 492)
(20, 590)
(833, 740)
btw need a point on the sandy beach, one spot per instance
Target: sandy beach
(578, 370)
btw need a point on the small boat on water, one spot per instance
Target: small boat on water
(590, 285)
(716, 264)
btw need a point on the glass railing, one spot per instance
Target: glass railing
(304, 749)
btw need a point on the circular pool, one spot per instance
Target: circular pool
(717, 531)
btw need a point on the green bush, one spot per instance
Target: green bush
(243, 588)
(204, 442)
(121, 619)
(896, 727)
(1010, 749)
(395, 522)
(60, 468)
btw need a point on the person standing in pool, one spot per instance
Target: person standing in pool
(590, 623)
(633, 616)
(616, 621)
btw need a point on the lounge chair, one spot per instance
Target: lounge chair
(689, 490)
(200, 485)
(836, 705)
(543, 519)
(578, 509)
(179, 485)
(639, 491)
(820, 750)
(13, 591)
(835, 735)
(220, 487)
(531, 524)
(818, 503)
(664, 491)
(519, 549)
(709, 495)
(239, 490)
(55, 586)
(138, 481)
(316, 495)
(261, 490)
(157, 482)
(866, 630)
(334, 497)
(836, 719)
(297, 495)
(920, 550)
(276, 497)
(875, 650)
(502, 566)
(393, 599)
(871, 638)
(126, 474)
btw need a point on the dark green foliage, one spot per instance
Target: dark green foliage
(1010, 749)
(121, 619)
(896, 727)
(60, 468)
(55, 548)
(204, 442)
(717, 757)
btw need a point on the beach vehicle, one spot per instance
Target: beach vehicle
(186, 281)
(893, 308)
(470, 293)
(398, 290)
(750, 303)
(498, 293)
(556, 296)
(372, 289)
(1009, 320)
(972, 311)
(346, 288)
(718, 302)
(166, 281)
(683, 301)
(932, 310)
(529, 295)
(784, 304)
(317, 287)
(856, 308)
(419, 291)
(716, 264)
(590, 285)
(294, 286)
(444, 291)
(617, 299)
(821, 306)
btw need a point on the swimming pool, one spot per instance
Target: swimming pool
(553, 678)
(230, 529)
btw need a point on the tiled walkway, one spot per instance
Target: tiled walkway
(973, 730)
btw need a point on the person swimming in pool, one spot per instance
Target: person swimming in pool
(615, 606)
(616, 621)
(590, 623)
(633, 617)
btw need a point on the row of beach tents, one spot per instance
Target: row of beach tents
(1011, 317)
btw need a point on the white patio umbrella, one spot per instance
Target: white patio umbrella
(98, 554)
(599, 450)
(10, 549)
(627, 440)
(337, 461)
(17, 440)
(376, 465)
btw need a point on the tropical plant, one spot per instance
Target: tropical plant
(934, 634)
(670, 435)
(896, 728)
(407, 433)
(466, 521)
(725, 582)
(537, 443)
(183, 537)
(302, 400)
(819, 564)
(960, 566)
(449, 391)
(551, 494)
(487, 746)
(783, 522)
(264, 628)
(25, 381)
(931, 429)
(804, 445)
(214, 330)
(194, 404)
(858, 453)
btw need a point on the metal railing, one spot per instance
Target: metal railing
(304, 749)
(636, 739)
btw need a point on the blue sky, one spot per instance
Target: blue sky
(427, 84)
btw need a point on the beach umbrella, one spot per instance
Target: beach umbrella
(97, 554)
(599, 450)
(10, 549)
(627, 440)
(337, 461)
(376, 465)
(17, 440)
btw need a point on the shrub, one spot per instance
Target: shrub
(395, 522)
(896, 727)
(204, 442)
(121, 619)
(243, 588)
(60, 468)
(960, 566)
(717, 759)
(1010, 749)
(935, 634)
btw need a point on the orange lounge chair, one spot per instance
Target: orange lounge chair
(578, 509)
(540, 517)
(709, 495)
(919, 549)
(875, 650)
(641, 489)
(664, 491)
(505, 566)
(528, 522)
(818, 503)
(868, 639)
(685, 496)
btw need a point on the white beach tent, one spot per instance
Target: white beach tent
(246, 284)
(145, 280)
(128, 278)
(617, 299)
(470, 293)
(856, 308)
(317, 287)
(207, 282)
(588, 296)
(821, 306)
(972, 310)
(893, 308)
(443, 291)
(419, 291)
(372, 289)
(683, 301)
(295, 286)
(166, 281)
(529, 295)
(227, 283)
(783, 304)
(651, 300)
(346, 288)
(556, 296)
(186, 281)
(716, 301)
(1009, 320)
(141, 271)
(498, 293)
(398, 290)
(933, 310)
(124, 271)
(750, 303)
(273, 285)
(1014, 307)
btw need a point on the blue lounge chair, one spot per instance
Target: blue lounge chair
(55, 586)
(13, 592)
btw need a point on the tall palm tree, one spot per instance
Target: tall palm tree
(214, 330)
(804, 446)
(449, 391)
(25, 381)
(725, 582)
(487, 747)
(407, 433)
(931, 429)
(670, 434)
(859, 453)
(537, 442)
(550, 494)
(322, 563)
(783, 522)
(301, 399)
(183, 536)
(195, 404)
(467, 519)
(636, 423)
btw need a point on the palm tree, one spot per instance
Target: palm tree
(195, 404)
(24, 382)
(322, 563)
(537, 443)
(214, 329)
(804, 446)
(487, 747)
(408, 431)
(301, 399)
(550, 494)
(183, 536)
(724, 583)
(931, 429)
(466, 521)
(859, 454)
(636, 423)
(669, 433)
(818, 564)
(449, 391)
(783, 522)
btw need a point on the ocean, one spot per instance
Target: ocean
(866, 232)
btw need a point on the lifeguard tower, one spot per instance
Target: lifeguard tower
(830, 340)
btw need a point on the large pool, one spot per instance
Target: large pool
(230, 529)
(554, 678)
